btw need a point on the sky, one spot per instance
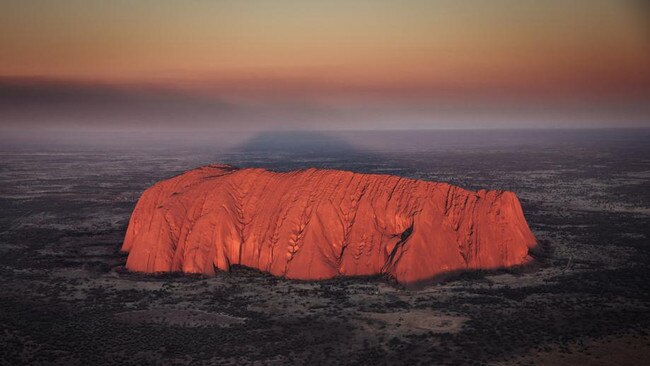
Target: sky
(373, 64)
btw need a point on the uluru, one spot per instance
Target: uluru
(318, 224)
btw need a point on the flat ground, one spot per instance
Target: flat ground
(65, 298)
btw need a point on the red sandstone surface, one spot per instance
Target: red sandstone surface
(317, 224)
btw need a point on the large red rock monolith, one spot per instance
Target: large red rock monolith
(317, 224)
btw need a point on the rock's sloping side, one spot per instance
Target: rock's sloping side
(318, 224)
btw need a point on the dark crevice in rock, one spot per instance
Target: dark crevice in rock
(393, 257)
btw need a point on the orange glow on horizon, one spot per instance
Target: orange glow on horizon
(364, 63)
(365, 45)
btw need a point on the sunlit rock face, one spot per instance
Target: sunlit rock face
(318, 224)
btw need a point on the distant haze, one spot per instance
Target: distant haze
(90, 65)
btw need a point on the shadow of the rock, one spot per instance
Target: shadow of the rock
(291, 150)
(303, 142)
